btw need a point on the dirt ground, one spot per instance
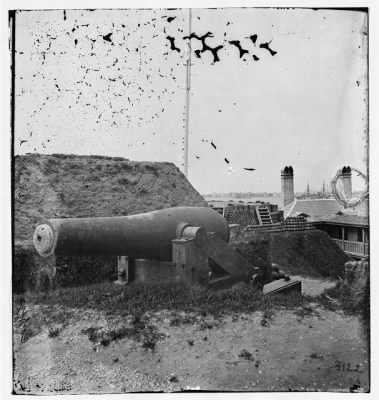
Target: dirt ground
(306, 349)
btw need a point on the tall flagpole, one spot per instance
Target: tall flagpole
(188, 89)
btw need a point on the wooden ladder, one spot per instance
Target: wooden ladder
(264, 216)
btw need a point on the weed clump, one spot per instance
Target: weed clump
(315, 355)
(152, 169)
(150, 338)
(305, 310)
(179, 320)
(123, 181)
(173, 378)
(343, 296)
(246, 355)
(54, 331)
(139, 331)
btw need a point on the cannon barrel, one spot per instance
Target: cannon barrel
(147, 235)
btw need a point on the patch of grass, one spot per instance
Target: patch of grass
(246, 355)
(105, 337)
(150, 338)
(315, 355)
(306, 310)
(267, 317)
(173, 378)
(152, 169)
(125, 166)
(179, 320)
(138, 299)
(54, 331)
(268, 314)
(342, 296)
(339, 296)
(206, 325)
(92, 333)
(123, 181)
(140, 331)
(148, 344)
(143, 190)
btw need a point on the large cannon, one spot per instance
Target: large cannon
(147, 235)
(190, 241)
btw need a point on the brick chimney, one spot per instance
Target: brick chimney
(288, 193)
(346, 179)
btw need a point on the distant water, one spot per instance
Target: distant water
(273, 200)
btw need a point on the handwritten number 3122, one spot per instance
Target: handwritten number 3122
(341, 366)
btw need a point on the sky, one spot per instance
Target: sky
(113, 82)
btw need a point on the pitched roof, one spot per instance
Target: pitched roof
(355, 220)
(317, 209)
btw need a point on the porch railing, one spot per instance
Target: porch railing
(354, 248)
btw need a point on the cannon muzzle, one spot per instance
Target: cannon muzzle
(147, 235)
